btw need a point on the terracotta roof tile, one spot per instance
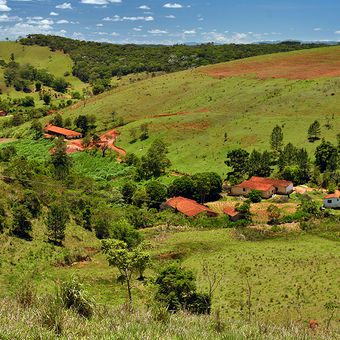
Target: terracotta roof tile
(62, 131)
(255, 185)
(230, 211)
(187, 206)
(275, 182)
(335, 195)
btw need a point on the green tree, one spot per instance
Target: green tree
(238, 160)
(244, 208)
(326, 156)
(182, 186)
(60, 159)
(128, 190)
(157, 193)
(273, 213)
(314, 131)
(22, 224)
(202, 186)
(55, 222)
(58, 120)
(127, 261)
(37, 128)
(176, 289)
(38, 85)
(81, 123)
(96, 139)
(255, 196)
(276, 138)
(60, 85)
(144, 131)
(47, 98)
(122, 230)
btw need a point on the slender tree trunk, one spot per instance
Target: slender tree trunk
(128, 284)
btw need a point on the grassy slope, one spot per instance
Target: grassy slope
(246, 108)
(56, 63)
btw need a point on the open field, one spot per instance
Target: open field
(193, 110)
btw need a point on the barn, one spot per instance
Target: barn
(190, 207)
(61, 132)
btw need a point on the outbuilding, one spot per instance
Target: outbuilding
(332, 200)
(190, 207)
(61, 132)
(233, 214)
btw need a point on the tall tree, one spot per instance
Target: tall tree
(55, 222)
(276, 138)
(326, 156)
(314, 131)
(60, 159)
(237, 159)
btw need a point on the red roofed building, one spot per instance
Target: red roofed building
(282, 187)
(61, 132)
(247, 186)
(190, 207)
(233, 214)
(332, 200)
(2, 113)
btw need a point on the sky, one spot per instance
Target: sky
(179, 22)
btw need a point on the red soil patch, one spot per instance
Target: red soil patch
(311, 64)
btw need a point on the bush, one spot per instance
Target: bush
(255, 196)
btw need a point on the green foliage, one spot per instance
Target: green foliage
(55, 222)
(122, 230)
(21, 224)
(276, 138)
(255, 196)
(238, 160)
(58, 121)
(128, 189)
(60, 85)
(61, 160)
(81, 123)
(182, 186)
(273, 213)
(176, 289)
(125, 260)
(244, 208)
(326, 156)
(157, 193)
(75, 297)
(314, 131)
(37, 128)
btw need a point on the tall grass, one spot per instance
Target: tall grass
(44, 320)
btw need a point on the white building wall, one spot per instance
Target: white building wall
(331, 203)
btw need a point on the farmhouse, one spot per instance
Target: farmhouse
(190, 207)
(247, 186)
(61, 132)
(2, 113)
(332, 200)
(233, 214)
(282, 187)
(268, 186)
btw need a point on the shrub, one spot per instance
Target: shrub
(255, 196)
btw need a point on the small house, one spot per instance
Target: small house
(332, 200)
(190, 207)
(233, 214)
(3, 113)
(282, 187)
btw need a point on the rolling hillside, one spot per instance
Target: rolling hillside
(194, 109)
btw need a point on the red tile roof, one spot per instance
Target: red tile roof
(62, 131)
(255, 185)
(335, 195)
(275, 182)
(230, 211)
(187, 206)
(3, 113)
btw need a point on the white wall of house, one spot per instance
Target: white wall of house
(331, 202)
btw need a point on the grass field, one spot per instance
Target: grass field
(193, 110)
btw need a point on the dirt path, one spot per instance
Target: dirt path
(75, 145)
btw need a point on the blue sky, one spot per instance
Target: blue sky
(180, 21)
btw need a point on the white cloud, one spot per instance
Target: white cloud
(317, 29)
(6, 18)
(157, 31)
(99, 25)
(39, 21)
(170, 16)
(200, 19)
(63, 6)
(173, 5)
(4, 7)
(118, 18)
(54, 13)
(189, 32)
(62, 22)
(137, 29)
(337, 32)
(144, 7)
(114, 33)
(100, 2)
